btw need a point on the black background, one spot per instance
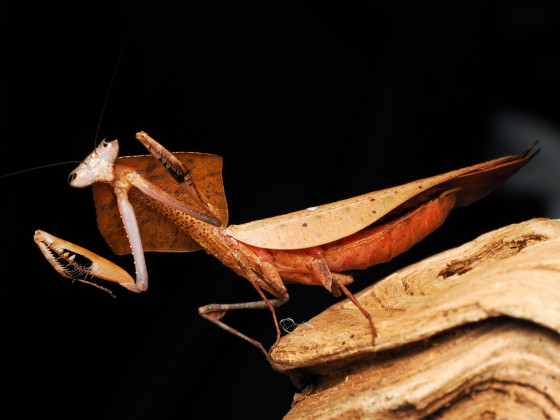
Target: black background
(307, 103)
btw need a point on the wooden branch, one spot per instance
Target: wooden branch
(472, 330)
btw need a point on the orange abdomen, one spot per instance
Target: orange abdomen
(382, 243)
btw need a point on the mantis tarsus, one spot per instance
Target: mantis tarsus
(180, 206)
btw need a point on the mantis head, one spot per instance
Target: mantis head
(97, 166)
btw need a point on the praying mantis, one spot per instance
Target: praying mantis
(175, 202)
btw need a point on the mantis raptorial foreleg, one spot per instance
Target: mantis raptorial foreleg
(142, 184)
(136, 180)
(180, 173)
(133, 232)
(73, 262)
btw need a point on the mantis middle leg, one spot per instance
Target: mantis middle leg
(260, 274)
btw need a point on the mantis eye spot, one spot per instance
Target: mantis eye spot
(81, 177)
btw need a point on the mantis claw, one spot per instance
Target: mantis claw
(77, 263)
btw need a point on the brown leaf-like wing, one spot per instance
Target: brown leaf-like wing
(330, 222)
(159, 233)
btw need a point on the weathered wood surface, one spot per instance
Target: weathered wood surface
(473, 332)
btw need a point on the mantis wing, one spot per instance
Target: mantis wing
(330, 222)
(158, 233)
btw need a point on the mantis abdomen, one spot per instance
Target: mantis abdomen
(363, 249)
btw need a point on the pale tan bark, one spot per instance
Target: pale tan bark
(473, 332)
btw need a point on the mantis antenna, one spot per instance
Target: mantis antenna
(21, 171)
(117, 66)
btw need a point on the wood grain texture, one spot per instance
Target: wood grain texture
(472, 332)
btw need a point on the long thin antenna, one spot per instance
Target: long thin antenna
(117, 66)
(98, 124)
(38, 167)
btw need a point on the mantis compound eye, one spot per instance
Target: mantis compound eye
(81, 177)
(109, 150)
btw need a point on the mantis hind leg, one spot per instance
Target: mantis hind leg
(214, 312)
(335, 283)
(340, 280)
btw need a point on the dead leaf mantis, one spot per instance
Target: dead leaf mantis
(179, 204)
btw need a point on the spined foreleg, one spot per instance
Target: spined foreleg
(77, 263)
(181, 174)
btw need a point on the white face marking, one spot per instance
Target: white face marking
(311, 208)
